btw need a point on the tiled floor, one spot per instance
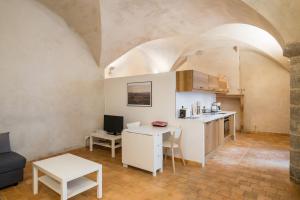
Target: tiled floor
(253, 167)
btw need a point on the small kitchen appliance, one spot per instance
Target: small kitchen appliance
(184, 112)
(216, 107)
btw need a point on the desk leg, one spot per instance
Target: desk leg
(64, 191)
(91, 143)
(113, 144)
(154, 173)
(99, 182)
(162, 162)
(35, 180)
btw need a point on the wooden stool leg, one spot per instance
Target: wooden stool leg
(166, 152)
(181, 154)
(173, 160)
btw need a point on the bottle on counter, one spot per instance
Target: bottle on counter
(203, 109)
(198, 108)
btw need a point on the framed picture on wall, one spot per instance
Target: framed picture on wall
(139, 94)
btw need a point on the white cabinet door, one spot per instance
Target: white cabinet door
(158, 152)
(138, 150)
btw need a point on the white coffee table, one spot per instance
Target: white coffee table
(65, 175)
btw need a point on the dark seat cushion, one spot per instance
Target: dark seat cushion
(11, 161)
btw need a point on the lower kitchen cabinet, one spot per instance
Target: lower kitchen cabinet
(214, 135)
(221, 131)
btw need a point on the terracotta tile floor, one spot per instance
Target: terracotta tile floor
(253, 167)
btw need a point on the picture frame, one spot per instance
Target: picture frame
(139, 94)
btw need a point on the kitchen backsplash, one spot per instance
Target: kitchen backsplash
(186, 99)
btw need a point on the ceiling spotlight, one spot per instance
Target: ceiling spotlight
(235, 48)
(110, 70)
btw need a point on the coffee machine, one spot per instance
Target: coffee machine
(184, 112)
(216, 107)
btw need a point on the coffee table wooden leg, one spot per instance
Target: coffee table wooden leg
(99, 181)
(35, 180)
(64, 191)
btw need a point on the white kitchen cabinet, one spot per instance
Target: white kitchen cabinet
(143, 148)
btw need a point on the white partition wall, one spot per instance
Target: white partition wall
(163, 108)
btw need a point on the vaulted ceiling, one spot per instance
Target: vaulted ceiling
(84, 17)
(284, 15)
(126, 24)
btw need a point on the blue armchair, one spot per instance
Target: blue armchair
(11, 163)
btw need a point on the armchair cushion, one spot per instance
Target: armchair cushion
(11, 161)
(4, 143)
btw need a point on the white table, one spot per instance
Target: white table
(100, 134)
(142, 147)
(65, 175)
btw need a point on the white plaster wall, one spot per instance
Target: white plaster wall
(163, 98)
(51, 90)
(163, 108)
(266, 94)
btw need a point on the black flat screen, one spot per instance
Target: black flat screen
(113, 124)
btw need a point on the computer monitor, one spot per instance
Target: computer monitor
(113, 124)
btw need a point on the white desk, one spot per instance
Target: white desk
(65, 175)
(142, 147)
(100, 134)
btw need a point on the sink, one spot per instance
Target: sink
(214, 113)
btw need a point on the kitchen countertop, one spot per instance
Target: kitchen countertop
(208, 117)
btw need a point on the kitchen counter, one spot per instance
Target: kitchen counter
(195, 132)
(208, 117)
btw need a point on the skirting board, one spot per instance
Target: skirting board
(260, 132)
(189, 162)
(58, 152)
